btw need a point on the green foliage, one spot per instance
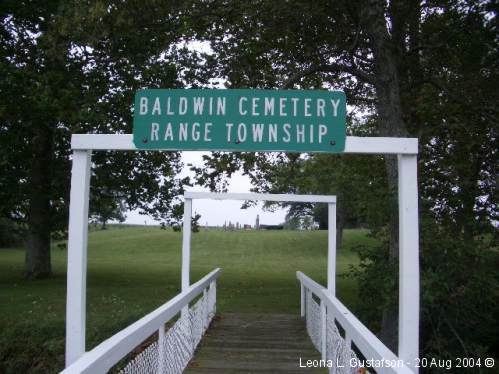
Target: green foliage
(459, 294)
(377, 275)
(459, 284)
(291, 223)
(458, 118)
(71, 67)
(29, 348)
(195, 222)
(10, 234)
(106, 207)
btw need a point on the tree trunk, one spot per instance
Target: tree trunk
(340, 222)
(38, 246)
(468, 180)
(389, 322)
(339, 238)
(391, 124)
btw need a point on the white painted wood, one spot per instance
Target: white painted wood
(331, 249)
(205, 309)
(161, 350)
(109, 352)
(214, 285)
(406, 148)
(103, 142)
(186, 249)
(77, 256)
(310, 284)
(323, 331)
(353, 144)
(408, 259)
(370, 346)
(380, 145)
(186, 244)
(302, 300)
(260, 196)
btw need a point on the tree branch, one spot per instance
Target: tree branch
(329, 68)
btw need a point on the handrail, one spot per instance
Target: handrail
(355, 331)
(312, 285)
(364, 339)
(109, 352)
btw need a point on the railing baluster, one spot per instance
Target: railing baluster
(323, 330)
(214, 285)
(104, 356)
(330, 343)
(161, 350)
(302, 299)
(205, 309)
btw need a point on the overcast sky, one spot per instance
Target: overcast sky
(216, 212)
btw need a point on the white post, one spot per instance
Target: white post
(186, 248)
(323, 330)
(161, 350)
(302, 299)
(331, 246)
(205, 309)
(408, 259)
(214, 285)
(77, 256)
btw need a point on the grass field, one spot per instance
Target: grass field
(133, 270)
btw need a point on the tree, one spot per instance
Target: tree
(106, 207)
(72, 67)
(291, 223)
(195, 222)
(307, 222)
(387, 57)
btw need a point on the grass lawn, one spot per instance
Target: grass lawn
(133, 270)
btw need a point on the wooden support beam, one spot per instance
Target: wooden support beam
(408, 347)
(77, 256)
(353, 144)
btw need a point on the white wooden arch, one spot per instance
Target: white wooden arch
(331, 241)
(405, 148)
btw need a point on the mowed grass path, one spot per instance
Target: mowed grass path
(133, 270)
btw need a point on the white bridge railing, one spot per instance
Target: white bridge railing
(323, 314)
(173, 349)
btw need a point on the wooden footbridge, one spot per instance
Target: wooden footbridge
(255, 343)
(186, 335)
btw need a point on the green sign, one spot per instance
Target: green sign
(240, 120)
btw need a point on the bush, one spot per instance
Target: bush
(10, 234)
(459, 292)
(32, 348)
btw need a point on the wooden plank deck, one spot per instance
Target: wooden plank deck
(254, 343)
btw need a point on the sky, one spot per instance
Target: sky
(216, 212)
